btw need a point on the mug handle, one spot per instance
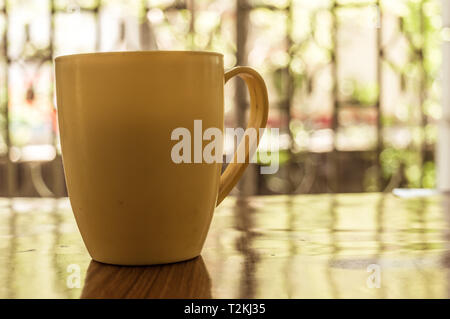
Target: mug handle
(259, 109)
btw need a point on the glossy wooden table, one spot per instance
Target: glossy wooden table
(318, 246)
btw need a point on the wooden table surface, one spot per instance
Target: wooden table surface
(307, 246)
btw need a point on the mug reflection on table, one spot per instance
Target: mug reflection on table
(188, 279)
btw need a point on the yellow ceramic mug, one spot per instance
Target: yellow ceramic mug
(132, 203)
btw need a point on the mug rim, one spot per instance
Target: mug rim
(129, 53)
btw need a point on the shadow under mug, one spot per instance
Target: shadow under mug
(133, 204)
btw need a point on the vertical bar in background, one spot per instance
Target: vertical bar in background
(58, 185)
(443, 143)
(11, 168)
(334, 174)
(379, 44)
(248, 182)
(287, 100)
(422, 93)
(98, 30)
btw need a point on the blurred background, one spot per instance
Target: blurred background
(353, 85)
